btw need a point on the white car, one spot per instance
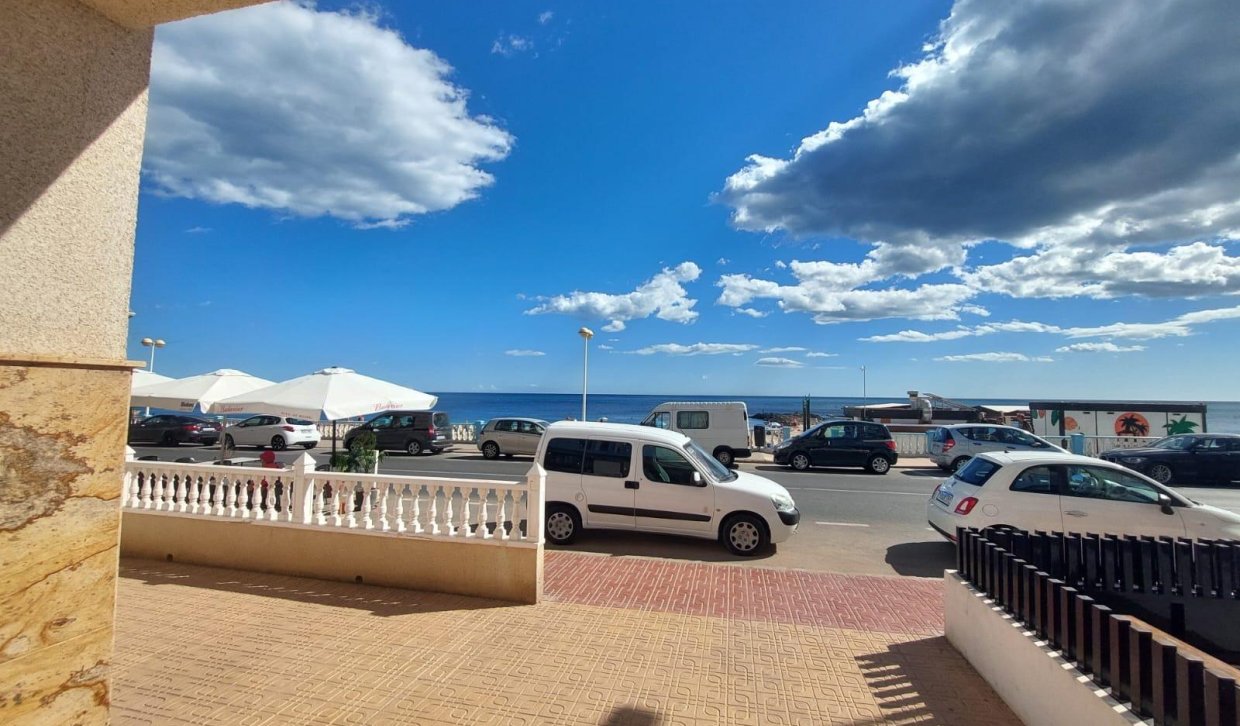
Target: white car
(1057, 492)
(278, 432)
(618, 476)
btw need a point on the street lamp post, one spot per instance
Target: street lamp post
(152, 343)
(585, 334)
(863, 396)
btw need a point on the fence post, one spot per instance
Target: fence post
(303, 485)
(536, 502)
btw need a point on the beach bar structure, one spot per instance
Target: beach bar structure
(1117, 418)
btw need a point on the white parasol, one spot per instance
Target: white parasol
(142, 378)
(327, 395)
(202, 391)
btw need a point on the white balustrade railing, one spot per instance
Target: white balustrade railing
(911, 444)
(325, 429)
(1095, 445)
(467, 509)
(464, 433)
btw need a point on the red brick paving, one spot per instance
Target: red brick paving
(911, 606)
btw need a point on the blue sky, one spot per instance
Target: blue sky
(739, 198)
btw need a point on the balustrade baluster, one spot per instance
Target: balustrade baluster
(501, 511)
(449, 517)
(231, 487)
(416, 504)
(433, 490)
(266, 507)
(351, 504)
(195, 491)
(520, 512)
(157, 493)
(179, 495)
(144, 491)
(464, 524)
(381, 506)
(337, 503)
(318, 494)
(480, 516)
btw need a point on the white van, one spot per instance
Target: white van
(720, 427)
(619, 476)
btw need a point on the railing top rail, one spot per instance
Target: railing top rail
(381, 478)
(206, 468)
(202, 468)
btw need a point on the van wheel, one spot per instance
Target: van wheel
(959, 462)
(414, 447)
(799, 461)
(745, 535)
(724, 455)
(878, 464)
(490, 450)
(563, 524)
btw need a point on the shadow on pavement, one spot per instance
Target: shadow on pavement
(927, 680)
(640, 544)
(381, 601)
(921, 559)
(630, 716)
(933, 472)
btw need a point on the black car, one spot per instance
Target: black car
(1184, 459)
(840, 443)
(410, 431)
(173, 429)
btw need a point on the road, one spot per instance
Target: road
(851, 522)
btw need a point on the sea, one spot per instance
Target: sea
(1221, 416)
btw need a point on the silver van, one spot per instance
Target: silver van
(508, 436)
(952, 446)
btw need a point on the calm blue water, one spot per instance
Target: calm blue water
(1221, 416)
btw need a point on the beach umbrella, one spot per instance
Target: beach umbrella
(201, 391)
(329, 394)
(142, 378)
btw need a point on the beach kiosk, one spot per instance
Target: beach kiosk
(1117, 418)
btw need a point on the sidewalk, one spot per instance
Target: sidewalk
(619, 641)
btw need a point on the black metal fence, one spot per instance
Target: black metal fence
(1042, 580)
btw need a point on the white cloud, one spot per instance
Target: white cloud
(784, 349)
(815, 354)
(524, 353)
(662, 296)
(696, 349)
(916, 336)
(722, 261)
(829, 300)
(311, 113)
(545, 17)
(510, 45)
(751, 312)
(1086, 132)
(197, 230)
(781, 264)
(1099, 348)
(604, 346)
(995, 358)
(778, 363)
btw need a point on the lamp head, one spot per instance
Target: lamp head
(148, 341)
(586, 333)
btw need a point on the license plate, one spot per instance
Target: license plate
(944, 496)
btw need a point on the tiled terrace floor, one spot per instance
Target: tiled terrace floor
(619, 641)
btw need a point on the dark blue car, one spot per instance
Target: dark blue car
(1184, 459)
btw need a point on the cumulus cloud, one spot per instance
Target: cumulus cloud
(311, 113)
(995, 358)
(1099, 348)
(696, 349)
(751, 312)
(519, 353)
(1077, 130)
(778, 363)
(916, 336)
(510, 45)
(662, 296)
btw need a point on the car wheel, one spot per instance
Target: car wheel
(170, 439)
(414, 447)
(563, 524)
(228, 443)
(490, 450)
(745, 535)
(724, 455)
(1160, 473)
(959, 462)
(278, 443)
(878, 464)
(308, 445)
(799, 461)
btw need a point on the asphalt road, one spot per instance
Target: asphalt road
(851, 522)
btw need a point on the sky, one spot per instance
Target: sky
(976, 199)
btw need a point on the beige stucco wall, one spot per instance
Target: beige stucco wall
(507, 571)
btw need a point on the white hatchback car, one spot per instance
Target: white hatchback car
(618, 476)
(278, 432)
(1057, 492)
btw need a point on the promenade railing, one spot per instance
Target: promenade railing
(464, 509)
(462, 433)
(1042, 580)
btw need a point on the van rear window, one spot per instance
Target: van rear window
(977, 471)
(441, 421)
(564, 455)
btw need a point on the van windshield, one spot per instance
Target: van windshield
(706, 462)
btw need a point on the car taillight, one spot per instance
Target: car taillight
(948, 444)
(935, 493)
(430, 430)
(288, 428)
(966, 505)
(890, 445)
(190, 427)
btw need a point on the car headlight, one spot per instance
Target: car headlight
(783, 503)
(1132, 460)
(783, 445)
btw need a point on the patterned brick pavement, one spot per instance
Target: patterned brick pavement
(619, 641)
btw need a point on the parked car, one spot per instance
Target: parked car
(1051, 491)
(720, 427)
(278, 432)
(840, 443)
(509, 436)
(173, 429)
(952, 446)
(619, 476)
(411, 431)
(1184, 459)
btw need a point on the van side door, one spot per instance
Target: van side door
(669, 500)
(610, 492)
